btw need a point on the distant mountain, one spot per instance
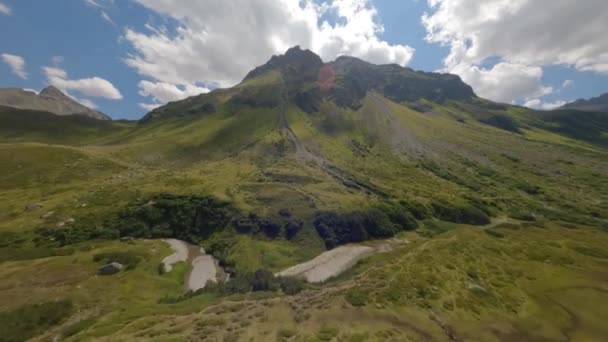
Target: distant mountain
(50, 100)
(308, 82)
(596, 104)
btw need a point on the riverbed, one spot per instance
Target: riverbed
(328, 264)
(203, 267)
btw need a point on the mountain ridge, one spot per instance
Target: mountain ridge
(344, 81)
(50, 99)
(594, 104)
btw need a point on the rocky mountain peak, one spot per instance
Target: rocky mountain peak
(302, 61)
(52, 91)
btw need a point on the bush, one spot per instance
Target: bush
(189, 218)
(127, 259)
(292, 228)
(356, 297)
(419, 210)
(528, 188)
(460, 213)
(291, 286)
(382, 221)
(260, 280)
(32, 320)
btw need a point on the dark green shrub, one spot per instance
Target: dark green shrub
(528, 188)
(460, 213)
(270, 228)
(494, 233)
(419, 210)
(32, 320)
(503, 122)
(292, 228)
(128, 259)
(263, 280)
(356, 297)
(291, 286)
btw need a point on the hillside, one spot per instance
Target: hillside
(483, 221)
(596, 104)
(50, 100)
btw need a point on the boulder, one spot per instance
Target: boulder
(109, 269)
(33, 206)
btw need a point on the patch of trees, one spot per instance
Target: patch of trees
(382, 221)
(258, 281)
(283, 225)
(503, 122)
(460, 213)
(189, 218)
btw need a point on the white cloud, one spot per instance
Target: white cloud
(107, 18)
(567, 84)
(539, 104)
(217, 42)
(162, 93)
(17, 64)
(528, 33)
(149, 106)
(93, 86)
(4, 9)
(85, 102)
(504, 82)
(166, 92)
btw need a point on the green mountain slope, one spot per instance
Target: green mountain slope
(491, 217)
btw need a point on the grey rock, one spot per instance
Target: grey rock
(109, 269)
(33, 206)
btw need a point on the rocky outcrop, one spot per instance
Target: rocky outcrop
(109, 269)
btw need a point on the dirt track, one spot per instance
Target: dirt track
(329, 264)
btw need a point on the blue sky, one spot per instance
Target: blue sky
(129, 56)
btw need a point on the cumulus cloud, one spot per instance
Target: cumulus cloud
(217, 42)
(93, 86)
(85, 102)
(16, 63)
(526, 33)
(165, 92)
(504, 82)
(539, 104)
(162, 92)
(4, 9)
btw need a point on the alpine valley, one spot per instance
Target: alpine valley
(448, 217)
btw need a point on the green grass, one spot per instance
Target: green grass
(29, 321)
(510, 280)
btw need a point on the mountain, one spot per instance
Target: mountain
(596, 104)
(50, 100)
(455, 218)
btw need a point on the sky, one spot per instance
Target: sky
(126, 57)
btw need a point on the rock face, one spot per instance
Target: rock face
(50, 100)
(109, 269)
(301, 77)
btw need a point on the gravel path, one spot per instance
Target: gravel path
(329, 264)
(203, 270)
(204, 267)
(180, 253)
